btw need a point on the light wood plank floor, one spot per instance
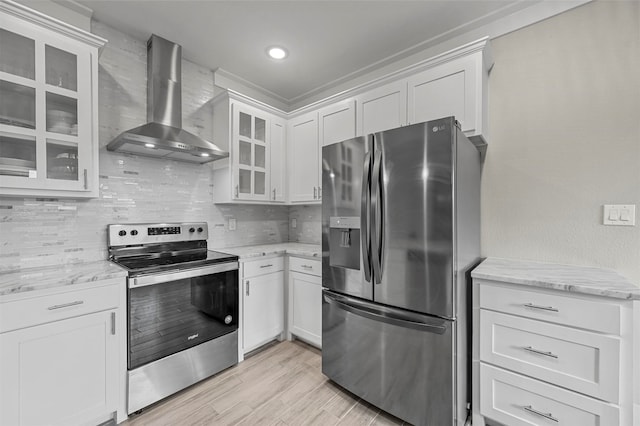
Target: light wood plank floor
(280, 385)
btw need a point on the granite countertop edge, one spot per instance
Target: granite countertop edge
(19, 283)
(23, 282)
(569, 278)
(261, 250)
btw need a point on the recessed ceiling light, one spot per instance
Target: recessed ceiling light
(276, 52)
(150, 145)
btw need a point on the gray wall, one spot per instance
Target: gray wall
(565, 139)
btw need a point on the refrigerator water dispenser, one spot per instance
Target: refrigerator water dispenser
(344, 242)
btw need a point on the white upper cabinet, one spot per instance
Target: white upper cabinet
(337, 122)
(382, 108)
(308, 134)
(304, 159)
(48, 106)
(457, 88)
(265, 143)
(255, 139)
(251, 153)
(451, 84)
(278, 167)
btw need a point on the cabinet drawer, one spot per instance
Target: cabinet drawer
(596, 315)
(306, 266)
(262, 266)
(515, 400)
(586, 362)
(39, 310)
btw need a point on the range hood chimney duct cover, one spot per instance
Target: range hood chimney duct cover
(163, 135)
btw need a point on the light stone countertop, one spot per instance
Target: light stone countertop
(569, 278)
(35, 279)
(18, 283)
(255, 251)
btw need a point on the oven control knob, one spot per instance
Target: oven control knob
(122, 233)
(134, 232)
(192, 230)
(228, 319)
(200, 229)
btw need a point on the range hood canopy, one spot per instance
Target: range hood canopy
(163, 135)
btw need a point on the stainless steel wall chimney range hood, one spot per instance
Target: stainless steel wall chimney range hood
(163, 135)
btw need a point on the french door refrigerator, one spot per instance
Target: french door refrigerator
(400, 232)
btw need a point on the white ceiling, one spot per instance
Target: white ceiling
(327, 41)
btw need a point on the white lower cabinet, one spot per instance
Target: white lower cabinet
(544, 357)
(66, 371)
(262, 302)
(305, 300)
(515, 400)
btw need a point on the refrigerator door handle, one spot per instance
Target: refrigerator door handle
(365, 241)
(377, 218)
(386, 315)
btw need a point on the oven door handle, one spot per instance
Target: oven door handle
(152, 279)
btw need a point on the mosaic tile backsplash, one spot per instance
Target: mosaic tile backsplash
(308, 224)
(46, 232)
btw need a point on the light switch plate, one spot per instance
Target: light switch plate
(294, 223)
(619, 214)
(232, 224)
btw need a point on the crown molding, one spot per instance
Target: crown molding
(521, 18)
(35, 17)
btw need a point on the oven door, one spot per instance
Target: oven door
(173, 311)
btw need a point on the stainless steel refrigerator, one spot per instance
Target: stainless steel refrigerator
(400, 232)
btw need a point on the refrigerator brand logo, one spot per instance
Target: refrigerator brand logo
(438, 128)
(193, 336)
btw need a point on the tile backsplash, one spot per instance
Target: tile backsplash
(46, 232)
(308, 224)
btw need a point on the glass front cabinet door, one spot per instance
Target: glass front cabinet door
(48, 106)
(250, 162)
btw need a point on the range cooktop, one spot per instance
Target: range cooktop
(154, 247)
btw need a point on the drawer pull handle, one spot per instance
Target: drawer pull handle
(266, 266)
(532, 410)
(539, 352)
(248, 289)
(65, 305)
(544, 308)
(307, 266)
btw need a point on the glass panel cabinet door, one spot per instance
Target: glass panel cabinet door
(18, 55)
(45, 110)
(251, 154)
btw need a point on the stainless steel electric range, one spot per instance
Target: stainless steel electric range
(182, 303)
